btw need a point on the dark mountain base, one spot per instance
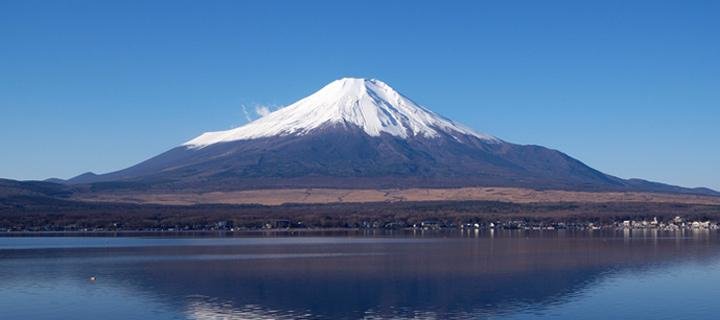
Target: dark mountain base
(345, 157)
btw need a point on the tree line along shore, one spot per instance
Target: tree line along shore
(25, 214)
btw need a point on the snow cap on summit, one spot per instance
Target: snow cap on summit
(369, 104)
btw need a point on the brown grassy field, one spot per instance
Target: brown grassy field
(329, 196)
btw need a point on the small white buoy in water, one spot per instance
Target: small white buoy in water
(92, 278)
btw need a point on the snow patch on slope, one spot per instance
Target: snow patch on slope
(369, 104)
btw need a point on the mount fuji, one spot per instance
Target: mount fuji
(359, 133)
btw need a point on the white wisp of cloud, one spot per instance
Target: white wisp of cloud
(246, 113)
(262, 110)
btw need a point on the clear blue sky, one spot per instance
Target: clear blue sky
(630, 87)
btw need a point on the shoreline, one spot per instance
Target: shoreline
(705, 226)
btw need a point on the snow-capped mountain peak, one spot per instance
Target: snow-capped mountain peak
(369, 104)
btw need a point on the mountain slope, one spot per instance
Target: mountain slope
(359, 133)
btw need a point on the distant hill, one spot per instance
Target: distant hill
(13, 188)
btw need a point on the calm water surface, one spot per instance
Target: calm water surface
(476, 275)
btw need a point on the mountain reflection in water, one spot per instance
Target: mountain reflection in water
(431, 276)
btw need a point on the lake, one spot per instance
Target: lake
(640, 274)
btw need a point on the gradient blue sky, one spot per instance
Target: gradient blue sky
(630, 87)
